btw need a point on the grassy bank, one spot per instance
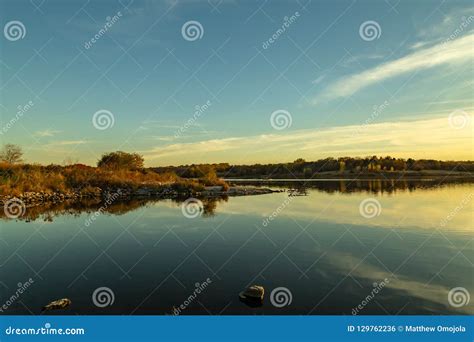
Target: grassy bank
(21, 178)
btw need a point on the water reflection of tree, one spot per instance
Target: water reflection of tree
(375, 186)
(210, 205)
(49, 211)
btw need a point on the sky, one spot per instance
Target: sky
(199, 81)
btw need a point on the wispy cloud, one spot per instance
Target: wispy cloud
(69, 142)
(424, 43)
(319, 79)
(455, 20)
(451, 52)
(419, 139)
(47, 133)
(163, 138)
(352, 60)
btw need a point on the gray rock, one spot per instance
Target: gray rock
(253, 292)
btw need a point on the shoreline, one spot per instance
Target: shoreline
(170, 191)
(38, 198)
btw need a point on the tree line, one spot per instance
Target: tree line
(303, 168)
(119, 160)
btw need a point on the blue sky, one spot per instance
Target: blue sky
(406, 92)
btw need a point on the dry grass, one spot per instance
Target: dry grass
(17, 179)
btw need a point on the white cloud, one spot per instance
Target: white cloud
(47, 133)
(163, 138)
(68, 142)
(319, 79)
(351, 61)
(420, 44)
(450, 52)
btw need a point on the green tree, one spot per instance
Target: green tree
(120, 160)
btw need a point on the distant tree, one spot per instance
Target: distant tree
(300, 167)
(209, 177)
(120, 160)
(11, 154)
(308, 172)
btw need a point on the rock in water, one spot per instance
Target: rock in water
(254, 292)
(57, 305)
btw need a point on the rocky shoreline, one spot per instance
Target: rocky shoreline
(38, 198)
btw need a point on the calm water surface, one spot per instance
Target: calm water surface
(318, 246)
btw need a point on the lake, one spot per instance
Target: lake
(337, 247)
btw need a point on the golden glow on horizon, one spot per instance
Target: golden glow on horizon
(435, 138)
(429, 138)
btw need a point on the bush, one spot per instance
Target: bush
(121, 161)
(17, 179)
